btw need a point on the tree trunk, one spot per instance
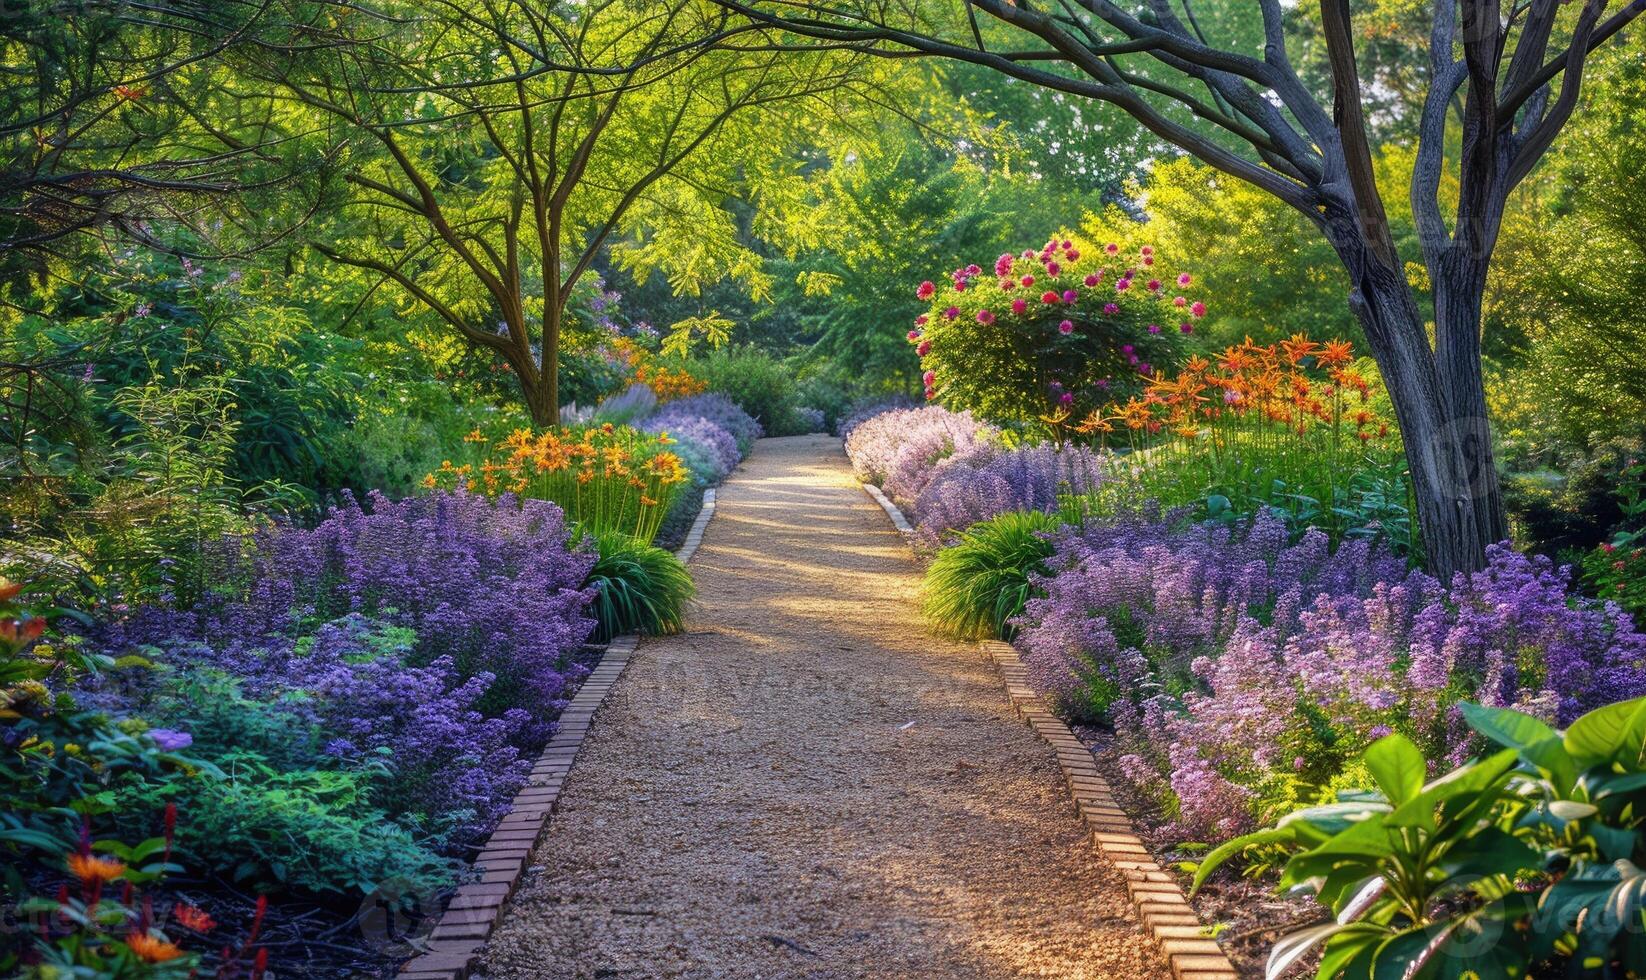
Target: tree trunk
(1439, 403)
(539, 383)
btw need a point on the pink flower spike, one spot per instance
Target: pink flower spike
(1186, 327)
(926, 290)
(1027, 280)
(952, 312)
(1147, 250)
(1048, 297)
(1067, 398)
(960, 285)
(1007, 285)
(1019, 305)
(1066, 327)
(1179, 301)
(929, 378)
(1111, 308)
(1069, 296)
(1148, 260)
(1052, 269)
(914, 336)
(1184, 279)
(1198, 309)
(1003, 265)
(1122, 285)
(1067, 244)
(1094, 278)
(1111, 248)
(1073, 254)
(1154, 285)
(1154, 328)
(924, 348)
(1126, 348)
(985, 317)
(920, 321)
(930, 394)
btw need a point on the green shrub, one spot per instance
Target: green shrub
(318, 830)
(757, 382)
(974, 588)
(829, 395)
(642, 588)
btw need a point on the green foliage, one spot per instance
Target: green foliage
(756, 381)
(1528, 855)
(641, 588)
(1571, 511)
(976, 586)
(319, 830)
(1562, 317)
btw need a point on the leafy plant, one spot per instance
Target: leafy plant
(106, 928)
(639, 588)
(979, 585)
(1527, 855)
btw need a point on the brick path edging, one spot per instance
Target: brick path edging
(454, 945)
(1159, 899)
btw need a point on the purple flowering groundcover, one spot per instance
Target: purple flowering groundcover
(1244, 674)
(439, 635)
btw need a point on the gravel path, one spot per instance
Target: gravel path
(809, 785)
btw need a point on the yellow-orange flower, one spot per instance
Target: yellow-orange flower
(152, 950)
(94, 869)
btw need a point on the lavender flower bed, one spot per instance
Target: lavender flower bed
(702, 444)
(437, 637)
(901, 450)
(949, 471)
(1243, 674)
(720, 410)
(1039, 478)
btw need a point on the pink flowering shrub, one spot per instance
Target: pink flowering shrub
(903, 449)
(1063, 329)
(1244, 673)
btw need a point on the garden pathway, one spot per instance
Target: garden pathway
(807, 784)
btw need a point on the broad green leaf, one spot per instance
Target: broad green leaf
(1608, 733)
(1505, 726)
(1398, 767)
(1229, 849)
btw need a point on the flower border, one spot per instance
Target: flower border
(454, 945)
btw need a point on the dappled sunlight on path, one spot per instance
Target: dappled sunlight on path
(806, 784)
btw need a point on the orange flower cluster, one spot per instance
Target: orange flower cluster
(612, 477)
(1295, 384)
(664, 383)
(668, 385)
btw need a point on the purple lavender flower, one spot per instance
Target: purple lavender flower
(170, 740)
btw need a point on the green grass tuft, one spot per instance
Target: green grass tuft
(979, 583)
(641, 588)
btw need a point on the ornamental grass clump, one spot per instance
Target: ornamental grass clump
(1243, 672)
(975, 587)
(606, 476)
(638, 588)
(1054, 332)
